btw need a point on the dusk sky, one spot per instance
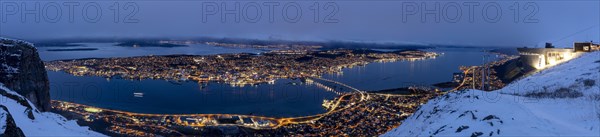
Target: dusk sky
(559, 22)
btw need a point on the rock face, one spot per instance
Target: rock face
(10, 127)
(22, 70)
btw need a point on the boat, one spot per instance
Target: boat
(138, 94)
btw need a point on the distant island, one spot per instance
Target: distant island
(74, 49)
(239, 43)
(291, 44)
(148, 44)
(57, 44)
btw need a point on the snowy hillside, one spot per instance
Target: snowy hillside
(22, 74)
(32, 122)
(560, 101)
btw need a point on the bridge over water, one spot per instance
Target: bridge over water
(278, 121)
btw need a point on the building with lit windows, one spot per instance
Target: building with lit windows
(540, 58)
(458, 77)
(585, 47)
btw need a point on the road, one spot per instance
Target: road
(280, 121)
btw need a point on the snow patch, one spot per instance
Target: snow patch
(14, 42)
(45, 123)
(9, 69)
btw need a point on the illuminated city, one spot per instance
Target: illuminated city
(236, 69)
(357, 68)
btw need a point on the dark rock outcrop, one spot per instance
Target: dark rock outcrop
(22, 101)
(22, 70)
(11, 129)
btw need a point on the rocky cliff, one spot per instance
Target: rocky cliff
(22, 70)
(24, 95)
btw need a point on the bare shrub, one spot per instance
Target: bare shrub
(559, 93)
(595, 97)
(589, 82)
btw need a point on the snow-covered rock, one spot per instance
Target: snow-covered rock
(559, 101)
(22, 70)
(24, 95)
(19, 117)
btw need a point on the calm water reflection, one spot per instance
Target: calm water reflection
(286, 97)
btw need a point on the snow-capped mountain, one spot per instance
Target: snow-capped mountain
(559, 101)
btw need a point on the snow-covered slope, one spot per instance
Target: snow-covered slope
(32, 122)
(560, 101)
(22, 74)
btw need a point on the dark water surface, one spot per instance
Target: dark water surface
(379, 76)
(286, 97)
(107, 50)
